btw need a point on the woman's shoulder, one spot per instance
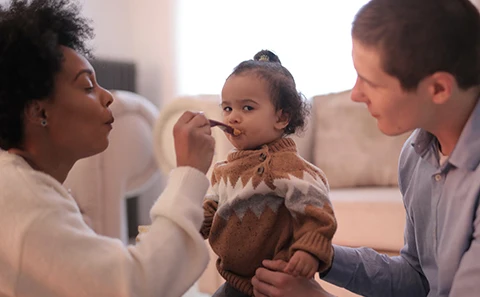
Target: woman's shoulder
(21, 184)
(23, 199)
(11, 169)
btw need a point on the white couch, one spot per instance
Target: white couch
(343, 140)
(101, 184)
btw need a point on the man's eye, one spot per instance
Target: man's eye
(89, 89)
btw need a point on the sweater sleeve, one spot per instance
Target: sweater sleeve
(314, 222)
(61, 256)
(210, 206)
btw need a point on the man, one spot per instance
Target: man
(418, 69)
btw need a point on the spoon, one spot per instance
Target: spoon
(226, 128)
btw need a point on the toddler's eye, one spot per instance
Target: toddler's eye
(227, 108)
(247, 108)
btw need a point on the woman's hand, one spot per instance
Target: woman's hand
(271, 281)
(194, 144)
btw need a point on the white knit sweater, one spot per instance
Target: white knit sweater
(47, 250)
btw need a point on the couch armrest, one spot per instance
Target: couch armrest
(126, 168)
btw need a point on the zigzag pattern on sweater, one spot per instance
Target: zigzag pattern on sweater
(298, 193)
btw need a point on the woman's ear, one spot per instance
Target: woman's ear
(35, 113)
(283, 119)
(442, 86)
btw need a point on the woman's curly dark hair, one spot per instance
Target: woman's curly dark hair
(31, 33)
(283, 90)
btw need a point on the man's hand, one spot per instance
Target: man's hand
(271, 281)
(194, 144)
(302, 264)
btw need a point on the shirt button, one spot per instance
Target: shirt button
(263, 157)
(438, 177)
(260, 170)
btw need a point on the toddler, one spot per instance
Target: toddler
(267, 201)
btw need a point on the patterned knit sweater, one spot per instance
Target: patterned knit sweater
(267, 204)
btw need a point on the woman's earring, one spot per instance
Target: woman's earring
(43, 123)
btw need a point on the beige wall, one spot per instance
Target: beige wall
(112, 22)
(141, 31)
(154, 48)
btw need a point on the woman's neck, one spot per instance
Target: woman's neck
(48, 163)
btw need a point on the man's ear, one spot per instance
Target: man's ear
(35, 112)
(283, 119)
(442, 85)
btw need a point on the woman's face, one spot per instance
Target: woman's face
(78, 115)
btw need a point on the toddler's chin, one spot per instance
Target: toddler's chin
(244, 147)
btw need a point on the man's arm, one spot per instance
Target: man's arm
(368, 273)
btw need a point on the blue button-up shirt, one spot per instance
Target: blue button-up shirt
(441, 256)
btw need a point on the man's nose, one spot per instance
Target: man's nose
(357, 93)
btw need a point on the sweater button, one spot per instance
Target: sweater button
(260, 170)
(263, 157)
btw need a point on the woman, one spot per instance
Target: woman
(53, 113)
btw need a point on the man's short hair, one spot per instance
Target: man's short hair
(417, 38)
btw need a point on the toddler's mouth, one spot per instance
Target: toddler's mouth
(236, 132)
(226, 128)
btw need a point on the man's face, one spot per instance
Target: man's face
(396, 110)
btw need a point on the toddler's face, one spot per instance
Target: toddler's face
(247, 106)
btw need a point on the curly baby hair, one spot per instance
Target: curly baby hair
(283, 90)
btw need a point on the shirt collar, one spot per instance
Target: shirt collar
(422, 143)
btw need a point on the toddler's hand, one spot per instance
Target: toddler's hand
(302, 264)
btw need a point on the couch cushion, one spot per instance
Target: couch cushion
(349, 147)
(372, 217)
